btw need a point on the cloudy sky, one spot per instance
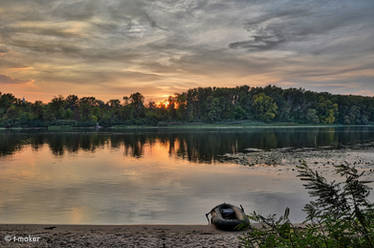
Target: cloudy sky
(110, 48)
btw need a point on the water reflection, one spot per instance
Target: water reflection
(106, 187)
(148, 177)
(195, 146)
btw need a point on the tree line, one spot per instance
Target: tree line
(210, 104)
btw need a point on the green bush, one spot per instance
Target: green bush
(340, 215)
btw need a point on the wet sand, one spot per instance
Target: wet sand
(117, 236)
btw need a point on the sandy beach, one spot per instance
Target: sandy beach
(116, 236)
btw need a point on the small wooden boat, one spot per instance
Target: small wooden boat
(228, 217)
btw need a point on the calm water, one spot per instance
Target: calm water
(145, 177)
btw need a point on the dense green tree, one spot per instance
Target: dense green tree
(181, 105)
(264, 106)
(327, 110)
(72, 102)
(137, 105)
(214, 109)
(312, 116)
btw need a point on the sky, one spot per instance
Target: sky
(112, 48)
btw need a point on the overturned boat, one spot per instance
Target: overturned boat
(228, 217)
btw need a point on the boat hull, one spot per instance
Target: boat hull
(229, 224)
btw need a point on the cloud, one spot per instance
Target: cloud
(8, 80)
(97, 77)
(3, 50)
(96, 47)
(280, 24)
(260, 42)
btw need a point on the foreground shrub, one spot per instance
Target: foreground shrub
(339, 216)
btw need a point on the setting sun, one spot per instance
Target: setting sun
(163, 104)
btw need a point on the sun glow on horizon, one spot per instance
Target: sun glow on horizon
(163, 104)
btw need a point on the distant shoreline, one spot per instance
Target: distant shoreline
(240, 125)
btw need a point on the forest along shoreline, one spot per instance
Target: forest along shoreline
(322, 158)
(268, 104)
(189, 125)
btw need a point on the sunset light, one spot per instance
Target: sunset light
(186, 123)
(163, 104)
